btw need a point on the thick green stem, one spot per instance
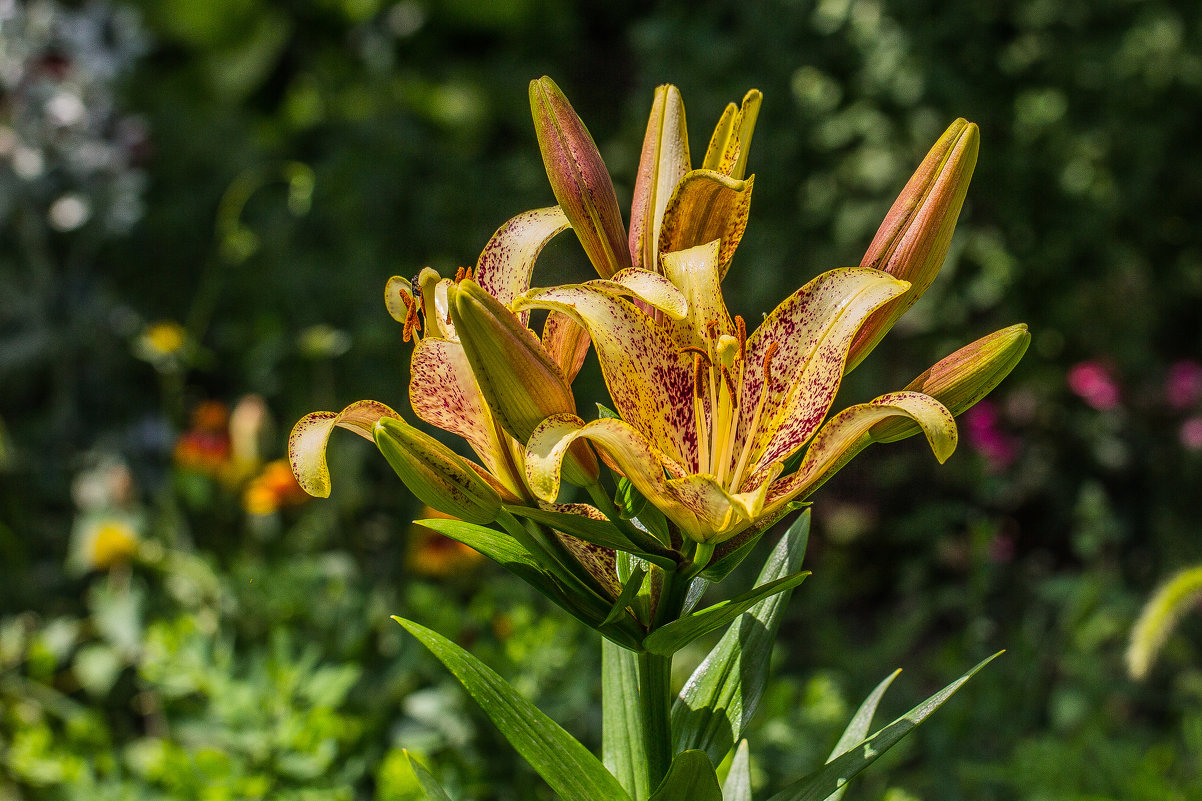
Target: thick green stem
(655, 704)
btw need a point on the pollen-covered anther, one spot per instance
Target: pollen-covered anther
(413, 322)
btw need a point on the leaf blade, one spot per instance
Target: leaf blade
(691, 778)
(565, 764)
(836, 773)
(721, 696)
(622, 748)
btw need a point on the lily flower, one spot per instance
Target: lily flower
(709, 413)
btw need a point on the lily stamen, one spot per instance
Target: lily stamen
(769, 352)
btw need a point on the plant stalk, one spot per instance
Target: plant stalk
(655, 704)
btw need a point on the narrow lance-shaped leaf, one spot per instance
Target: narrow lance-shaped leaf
(738, 779)
(622, 748)
(670, 638)
(858, 727)
(565, 764)
(720, 698)
(838, 772)
(691, 778)
(429, 784)
(601, 533)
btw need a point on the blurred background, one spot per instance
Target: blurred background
(200, 203)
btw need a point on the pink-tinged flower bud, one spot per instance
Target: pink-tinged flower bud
(581, 183)
(664, 161)
(914, 238)
(438, 476)
(960, 380)
(517, 377)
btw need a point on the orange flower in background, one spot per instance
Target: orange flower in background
(273, 488)
(433, 555)
(205, 447)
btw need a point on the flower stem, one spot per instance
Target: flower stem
(655, 674)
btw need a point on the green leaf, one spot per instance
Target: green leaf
(514, 557)
(629, 591)
(670, 638)
(691, 778)
(836, 773)
(430, 785)
(721, 696)
(598, 532)
(738, 780)
(858, 727)
(622, 748)
(635, 507)
(559, 758)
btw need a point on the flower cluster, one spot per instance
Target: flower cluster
(715, 431)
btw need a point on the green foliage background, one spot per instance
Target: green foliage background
(249, 658)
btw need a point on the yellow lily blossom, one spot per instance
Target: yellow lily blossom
(711, 414)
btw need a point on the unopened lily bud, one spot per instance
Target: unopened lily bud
(581, 183)
(963, 378)
(914, 238)
(438, 476)
(517, 377)
(664, 161)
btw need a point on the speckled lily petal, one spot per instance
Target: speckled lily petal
(650, 382)
(443, 392)
(664, 161)
(506, 262)
(812, 329)
(309, 437)
(845, 434)
(695, 272)
(698, 504)
(707, 205)
(566, 342)
(731, 140)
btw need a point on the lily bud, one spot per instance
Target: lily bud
(914, 238)
(664, 161)
(963, 378)
(438, 476)
(517, 377)
(578, 177)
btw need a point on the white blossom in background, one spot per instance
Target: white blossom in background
(66, 151)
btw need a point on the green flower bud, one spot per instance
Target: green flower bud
(963, 378)
(439, 477)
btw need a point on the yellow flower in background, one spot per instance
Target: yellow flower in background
(103, 541)
(165, 344)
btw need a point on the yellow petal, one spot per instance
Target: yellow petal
(566, 342)
(695, 273)
(309, 437)
(707, 205)
(812, 330)
(664, 161)
(505, 264)
(845, 435)
(731, 140)
(700, 506)
(650, 382)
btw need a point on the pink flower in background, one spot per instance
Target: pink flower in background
(986, 437)
(1190, 434)
(1094, 383)
(1183, 384)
